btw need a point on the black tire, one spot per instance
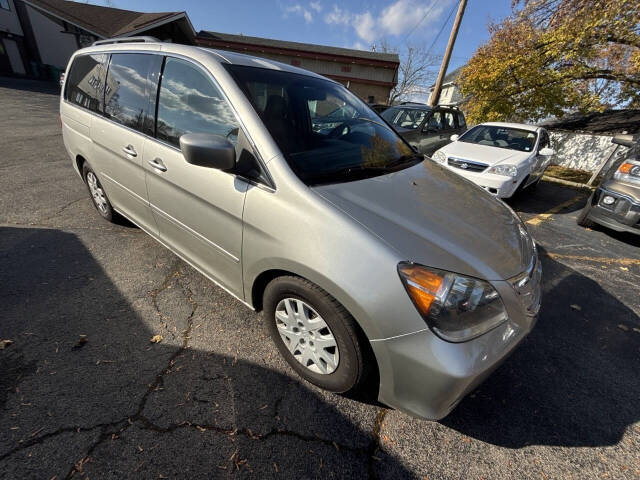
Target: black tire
(108, 213)
(583, 217)
(355, 362)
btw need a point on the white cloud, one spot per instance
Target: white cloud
(317, 6)
(397, 19)
(299, 10)
(403, 15)
(338, 16)
(365, 26)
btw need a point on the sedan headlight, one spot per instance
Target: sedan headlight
(439, 157)
(629, 171)
(457, 308)
(505, 170)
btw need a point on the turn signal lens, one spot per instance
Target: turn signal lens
(456, 308)
(423, 285)
(625, 167)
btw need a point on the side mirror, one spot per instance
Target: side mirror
(625, 140)
(208, 150)
(546, 152)
(453, 138)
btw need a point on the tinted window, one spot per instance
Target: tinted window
(461, 121)
(435, 122)
(449, 122)
(126, 90)
(190, 103)
(85, 83)
(404, 117)
(544, 140)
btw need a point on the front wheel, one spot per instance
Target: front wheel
(316, 335)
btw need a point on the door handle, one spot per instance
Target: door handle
(158, 164)
(129, 150)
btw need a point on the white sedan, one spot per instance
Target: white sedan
(500, 157)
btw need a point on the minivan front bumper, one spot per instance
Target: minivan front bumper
(425, 376)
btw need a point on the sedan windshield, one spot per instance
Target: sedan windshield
(501, 137)
(325, 132)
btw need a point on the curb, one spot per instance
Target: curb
(567, 183)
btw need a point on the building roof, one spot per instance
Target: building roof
(298, 46)
(104, 22)
(607, 122)
(450, 77)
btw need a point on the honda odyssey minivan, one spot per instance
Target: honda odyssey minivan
(369, 262)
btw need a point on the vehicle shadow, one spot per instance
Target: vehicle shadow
(624, 237)
(572, 382)
(82, 389)
(545, 197)
(29, 85)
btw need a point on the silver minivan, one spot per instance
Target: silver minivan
(370, 262)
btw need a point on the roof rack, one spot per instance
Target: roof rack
(126, 40)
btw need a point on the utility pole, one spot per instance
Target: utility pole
(435, 95)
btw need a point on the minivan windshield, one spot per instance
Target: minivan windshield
(325, 132)
(501, 137)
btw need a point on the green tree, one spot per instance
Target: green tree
(553, 56)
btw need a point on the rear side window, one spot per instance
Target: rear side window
(462, 123)
(86, 81)
(189, 102)
(126, 93)
(449, 122)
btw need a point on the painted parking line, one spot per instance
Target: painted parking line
(585, 258)
(538, 219)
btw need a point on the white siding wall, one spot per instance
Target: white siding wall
(9, 20)
(55, 47)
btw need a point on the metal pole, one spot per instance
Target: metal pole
(604, 164)
(435, 95)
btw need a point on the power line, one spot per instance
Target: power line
(433, 4)
(441, 29)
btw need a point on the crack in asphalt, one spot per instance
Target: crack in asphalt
(108, 429)
(63, 208)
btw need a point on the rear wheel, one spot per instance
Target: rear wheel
(316, 335)
(98, 195)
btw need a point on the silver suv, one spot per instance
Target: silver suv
(290, 193)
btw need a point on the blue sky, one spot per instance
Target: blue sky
(346, 23)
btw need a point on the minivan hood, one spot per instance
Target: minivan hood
(484, 153)
(436, 218)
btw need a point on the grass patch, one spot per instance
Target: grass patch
(569, 174)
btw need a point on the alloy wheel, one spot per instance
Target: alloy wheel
(307, 336)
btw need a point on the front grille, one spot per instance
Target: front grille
(467, 164)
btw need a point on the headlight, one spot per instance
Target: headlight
(439, 157)
(456, 308)
(505, 170)
(629, 171)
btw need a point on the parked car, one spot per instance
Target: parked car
(616, 202)
(502, 158)
(378, 107)
(366, 259)
(425, 128)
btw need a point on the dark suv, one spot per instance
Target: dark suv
(424, 127)
(616, 202)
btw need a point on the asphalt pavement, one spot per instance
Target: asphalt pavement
(84, 393)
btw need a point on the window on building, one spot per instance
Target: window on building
(85, 84)
(4, 4)
(126, 88)
(190, 103)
